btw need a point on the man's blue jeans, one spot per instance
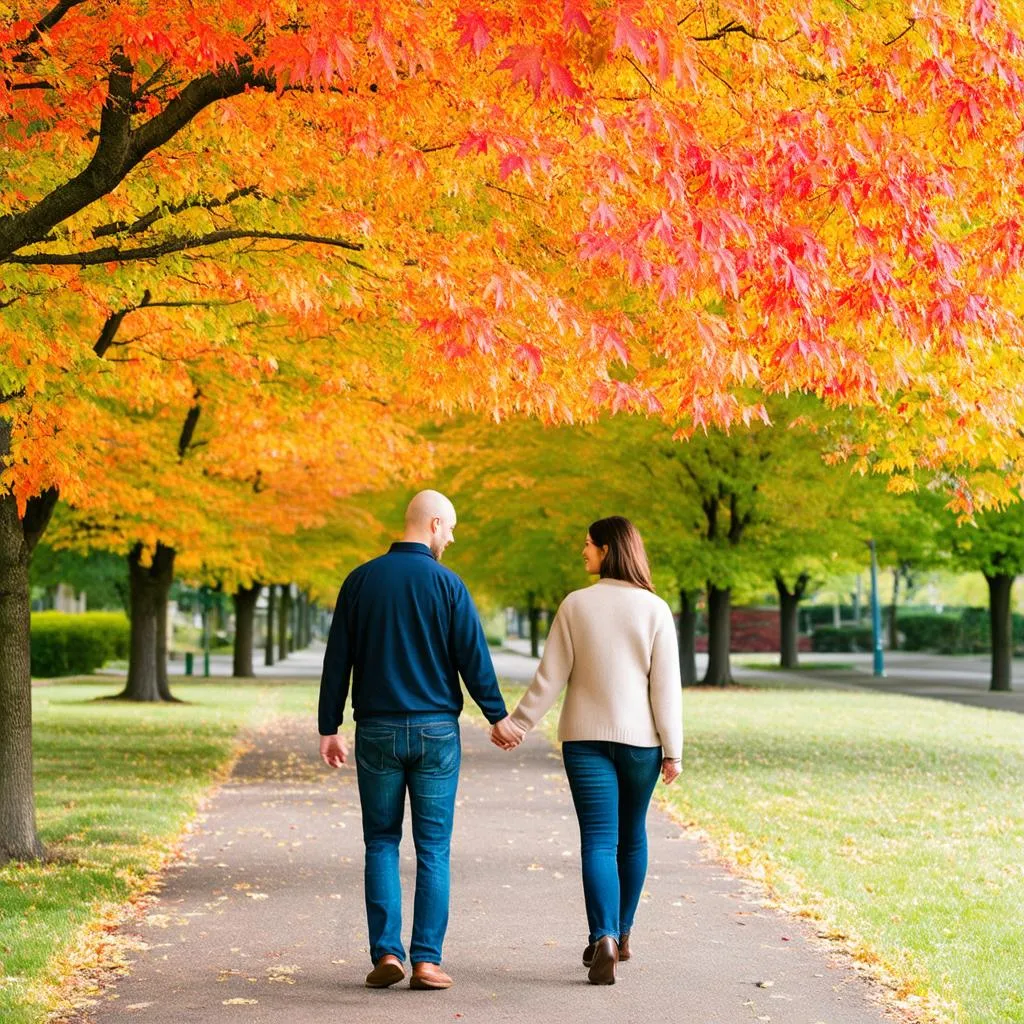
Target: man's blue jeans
(611, 786)
(420, 753)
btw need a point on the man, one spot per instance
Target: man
(406, 628)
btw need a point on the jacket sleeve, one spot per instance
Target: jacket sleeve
(472, 657)
(552, 673)
(666, 688)
(334, 681)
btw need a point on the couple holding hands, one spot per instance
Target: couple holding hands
(405, 629)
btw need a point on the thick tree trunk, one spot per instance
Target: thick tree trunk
(149, 586)
(18, 538)
(719, 671)
(268, 653)
(789, 650)
(245, 622)
(533, 610)
(894, 639)
(18, 838)
(1000, 610)
(283, 616)
(305, 635)
(789, 618)
(688, 636)
(163, 585)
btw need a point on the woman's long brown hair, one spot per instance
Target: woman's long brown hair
(626, 559)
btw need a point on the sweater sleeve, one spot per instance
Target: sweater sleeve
(551, 676)
(337, 669)
(473, 659)
(666, 688)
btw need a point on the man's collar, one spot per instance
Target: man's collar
(412, 547)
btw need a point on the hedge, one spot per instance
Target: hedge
(67, 645)
(966, 631)
(846, 639)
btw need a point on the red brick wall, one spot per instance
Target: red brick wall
(755, 630)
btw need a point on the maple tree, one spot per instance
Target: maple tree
(552, 209)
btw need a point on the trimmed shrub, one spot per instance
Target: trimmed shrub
(931, 632)
(845, 639)
(67, 645)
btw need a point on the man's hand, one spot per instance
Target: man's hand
(670, 770)
(333, 751)
(506, 734)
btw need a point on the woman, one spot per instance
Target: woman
(613, 645)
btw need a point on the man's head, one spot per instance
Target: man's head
(430, 520)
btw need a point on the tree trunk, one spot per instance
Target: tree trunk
(18, 538)
(245, 621)
(18, 837)
(304, 620)
(789, 618)
(688, 636)
(719, 671)
(283, 615)
(163, 684)
(1000, 610)
(533, 610)
(894, 640)
(147, 678)
(268, 655)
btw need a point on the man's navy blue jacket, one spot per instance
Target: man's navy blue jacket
(405, 628)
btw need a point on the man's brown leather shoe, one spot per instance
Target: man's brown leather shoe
(386, 971)
(588, 953)
(429, 976)
(606, 956)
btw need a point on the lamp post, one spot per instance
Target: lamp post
(876, 616)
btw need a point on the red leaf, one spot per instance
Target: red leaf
(474, 31)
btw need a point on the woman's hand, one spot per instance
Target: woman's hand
(506, 734)
(670, 769)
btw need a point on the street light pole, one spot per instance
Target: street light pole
(876, 616)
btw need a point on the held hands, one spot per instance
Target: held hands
(506, 734)
(670, 770)
(333, 751)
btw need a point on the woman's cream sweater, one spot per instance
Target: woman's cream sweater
(613, 645)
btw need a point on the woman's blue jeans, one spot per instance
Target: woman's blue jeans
(611, 786)
(420, 753)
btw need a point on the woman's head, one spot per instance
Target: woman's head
(615, 551)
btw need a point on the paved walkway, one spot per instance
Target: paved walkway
(264, 922)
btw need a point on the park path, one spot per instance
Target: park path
(263, 919)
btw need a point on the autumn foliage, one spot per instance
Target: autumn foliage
(241, 242)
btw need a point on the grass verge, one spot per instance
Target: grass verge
(115, 785)
(897, 823)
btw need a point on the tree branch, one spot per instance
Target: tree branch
(118, 227)
(189, 427)
(896, 38)
(112, 254)
(120, 147)
(113, 324)
(47, 21)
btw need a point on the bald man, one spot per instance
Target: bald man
(405, 628)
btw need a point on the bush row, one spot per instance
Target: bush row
(68, 645)
(965, 631)
(846, 639)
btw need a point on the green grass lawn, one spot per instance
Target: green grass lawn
(115, 783)
(897, 822)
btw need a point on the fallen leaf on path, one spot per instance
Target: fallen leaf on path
(239, 1002)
